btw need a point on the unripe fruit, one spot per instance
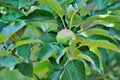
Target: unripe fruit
(65, 36)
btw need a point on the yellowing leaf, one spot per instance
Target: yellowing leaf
(22, 42)
(2, 38)
(54, 5)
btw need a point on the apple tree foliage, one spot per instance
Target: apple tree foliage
(29, 49)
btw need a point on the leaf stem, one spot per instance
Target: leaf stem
(63, 23)
(85, 29)
(71, 22)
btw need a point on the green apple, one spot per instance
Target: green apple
(65, 36)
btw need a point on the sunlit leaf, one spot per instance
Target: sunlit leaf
(85, 57)
(27, 41)
(41, 68)
(99, 55)
(3, 38)
(83, 9)
(64, 3)
(55, 6)
(100, 43)
(106, 17)
(101, 37)
(8, 61)
(98, 31)
(101, 4)
(12, 28)
(70, 12)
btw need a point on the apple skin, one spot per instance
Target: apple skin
(65, 36)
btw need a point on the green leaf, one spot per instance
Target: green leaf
(11, 75)
(114, 6)
(53, 62)
(12, 28)
(54, 4)
(48, 38)
(27, 41)
(38, 15)
(26, 69)
(88, 56)
(70, 12)
(48, 25)
(24, 51)
(105, 59)
(96, 60)
(79, 2)
(60, 53)
(46, 51)
(41, 68)
(25, 3)
(97, 31)
(116, 12)
(100, 43)
(83, 8)
(55, 73)
(8, 61)
(11, 2)
(85, 57)
(64, 3)
(99, 55)
(76, 20)
(106, 23)
(3, 38)
(9, 5)
(10, 16)
(43, 6)
(101, 4)
(32, 30)
(74, 70)
(2, 25)
(63, 60)
(101, 37)
(114, 32)
(108, 18)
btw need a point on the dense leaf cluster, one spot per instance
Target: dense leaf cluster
(28, 45)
